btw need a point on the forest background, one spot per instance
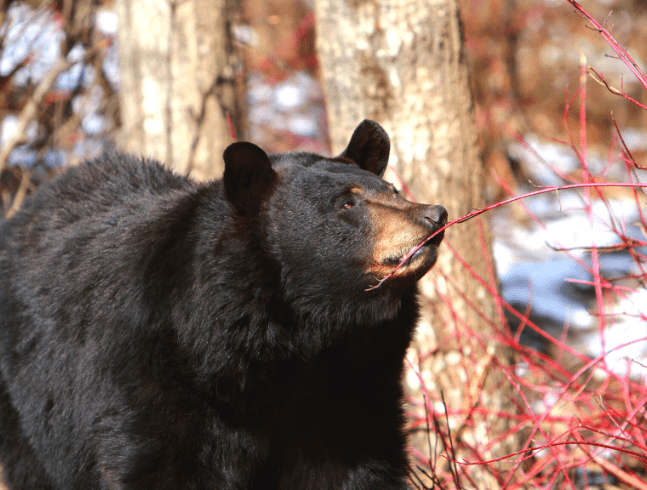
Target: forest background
(529, 370)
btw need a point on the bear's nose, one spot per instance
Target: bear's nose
(437, 215)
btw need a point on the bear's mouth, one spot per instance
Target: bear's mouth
(427, 248)
(396, 259)
(411, 259)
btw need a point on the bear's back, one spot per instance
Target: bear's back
(104, 184)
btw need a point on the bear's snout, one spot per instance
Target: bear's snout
(437, 215)
(402, 228)
(434, 217)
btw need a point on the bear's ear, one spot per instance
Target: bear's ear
(369, 147)
(248, 176)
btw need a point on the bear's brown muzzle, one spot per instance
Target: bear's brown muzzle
(403, 226)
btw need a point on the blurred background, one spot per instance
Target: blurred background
(80, 77)
(61, 83)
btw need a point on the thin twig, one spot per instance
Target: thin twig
(25, 183)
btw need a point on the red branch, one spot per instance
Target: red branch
(619, 50)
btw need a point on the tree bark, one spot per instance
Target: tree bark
(178, 82)
(401, 63)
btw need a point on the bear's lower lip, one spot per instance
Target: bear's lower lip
(426, 248)
(394, 261)
(418, 252)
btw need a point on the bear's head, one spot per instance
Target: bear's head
(332, 226)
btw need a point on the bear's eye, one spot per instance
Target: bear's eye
(349, 199)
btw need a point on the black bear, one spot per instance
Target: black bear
(158, 333)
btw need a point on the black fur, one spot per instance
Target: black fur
(157, 333)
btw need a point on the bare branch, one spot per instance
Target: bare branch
(29, 111)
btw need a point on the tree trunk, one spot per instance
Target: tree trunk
(178, 82)
(402, 64)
